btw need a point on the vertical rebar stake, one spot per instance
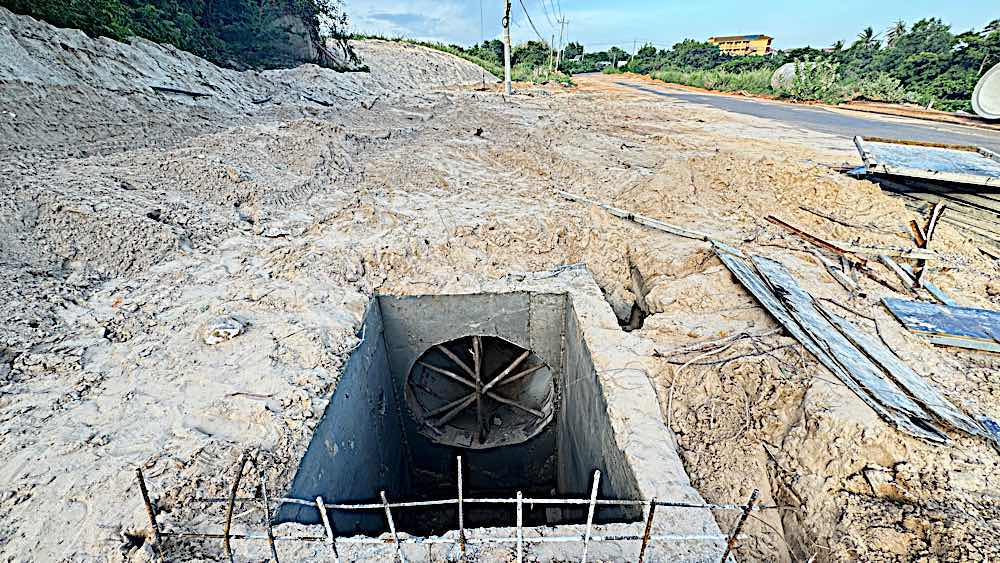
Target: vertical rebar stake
(520, 527)
(731, 544)
(649, 527)
(229, 506)
(461, 508)
(590, 514)
(267, 510)
(330, 540)
(150, 512)
(392, 528)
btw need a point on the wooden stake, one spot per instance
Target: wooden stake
(157, 538)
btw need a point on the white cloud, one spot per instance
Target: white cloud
(449, 21)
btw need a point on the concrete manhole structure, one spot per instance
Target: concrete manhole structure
(480, 392)
(533, 386)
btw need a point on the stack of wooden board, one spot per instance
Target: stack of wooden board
(966, 178)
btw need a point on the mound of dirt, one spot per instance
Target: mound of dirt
(69, 95)
(284, 200)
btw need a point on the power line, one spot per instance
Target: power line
(525, 8)
(546, 10)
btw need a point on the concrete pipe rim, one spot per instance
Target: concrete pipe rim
(989, 79)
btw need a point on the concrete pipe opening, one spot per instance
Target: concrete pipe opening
(480, 392)
(986, 96)
(405, 407)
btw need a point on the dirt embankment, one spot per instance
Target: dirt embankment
(128, 229)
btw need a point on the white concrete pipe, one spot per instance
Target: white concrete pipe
(783, 78)
(986, 96)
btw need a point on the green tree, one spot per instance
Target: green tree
(616, 54)
(696, 54)
(572, 50)
(893, 34)
(647, 51)
(867, 39)
(532, 53)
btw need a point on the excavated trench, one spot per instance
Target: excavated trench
(503, 380)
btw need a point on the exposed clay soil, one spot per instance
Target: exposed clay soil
(131, 220)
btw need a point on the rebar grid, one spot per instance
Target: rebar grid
(462, 540)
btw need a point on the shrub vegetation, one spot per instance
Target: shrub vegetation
(232, 33)
(925, 63)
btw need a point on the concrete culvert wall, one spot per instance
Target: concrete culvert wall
(375, 434)
(986, 96)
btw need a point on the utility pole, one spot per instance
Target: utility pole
(552, 51)
(562, 27)
(506, 48)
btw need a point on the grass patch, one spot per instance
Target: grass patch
(753, 81)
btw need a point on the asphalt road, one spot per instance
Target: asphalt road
(835, 122)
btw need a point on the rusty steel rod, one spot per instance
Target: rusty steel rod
(330, 539)
(229, 506)
(649, 527)
(267, 510)
(461, 512)
(154, 526)
(731, 542)
(392, 528)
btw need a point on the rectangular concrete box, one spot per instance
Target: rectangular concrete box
(608, 418)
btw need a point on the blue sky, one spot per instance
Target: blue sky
(598, 24)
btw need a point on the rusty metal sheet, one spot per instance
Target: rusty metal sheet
(916, 386)
(793, 308)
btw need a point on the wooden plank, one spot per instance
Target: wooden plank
(858, 260)
(957, 325)
(918, 233)
(952, 146)
(754, 283)
(907, 280)
(934, 290)
(905, 253)
(916, 386)
(640, 219)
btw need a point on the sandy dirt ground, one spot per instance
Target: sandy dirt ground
(131, 223)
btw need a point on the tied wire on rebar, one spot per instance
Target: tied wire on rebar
(462, 540)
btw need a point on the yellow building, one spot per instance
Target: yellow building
(738, 45)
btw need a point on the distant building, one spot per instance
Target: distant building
(739, 45)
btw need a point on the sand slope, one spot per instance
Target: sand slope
(130, 221)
